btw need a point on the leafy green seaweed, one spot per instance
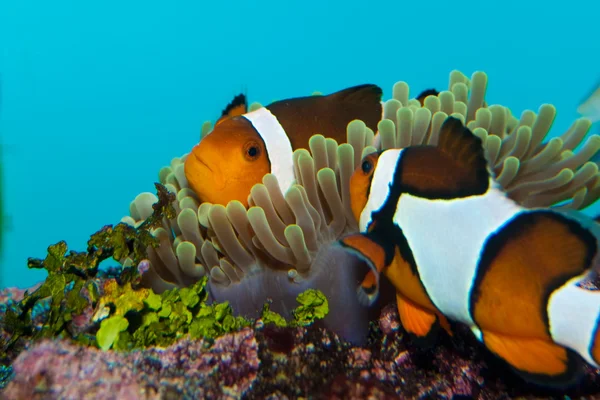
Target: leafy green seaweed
(71, 285)
(109, 331)
(313, 306)
(115, 312)
(142, 318)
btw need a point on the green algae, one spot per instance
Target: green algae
(112, 311)
(71, 284)
(109, 331)
(142, 318)
(271, 317)
(313, 306)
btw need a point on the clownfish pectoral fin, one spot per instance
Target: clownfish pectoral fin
(423, 325)
(426, 93)
(536, 360)
(361, 94)
(237, 106)
(374, 255)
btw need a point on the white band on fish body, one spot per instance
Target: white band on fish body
(446, 238)
(571, 306)
(278, 145)
(383, 177)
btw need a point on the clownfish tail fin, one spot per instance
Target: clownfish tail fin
(374, 255)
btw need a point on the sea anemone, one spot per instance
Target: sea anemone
(283, 244)
(533, 173)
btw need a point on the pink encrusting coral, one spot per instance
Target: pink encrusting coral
(187, 369)
(282, 244)
(268, 362)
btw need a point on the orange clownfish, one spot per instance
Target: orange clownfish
(244, 146)
(435, 222)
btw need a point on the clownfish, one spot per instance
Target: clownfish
(244, 146)
(426, 93)
(590, 106)
(435, 222)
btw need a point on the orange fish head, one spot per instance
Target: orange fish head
(360, 183)
(227, 163)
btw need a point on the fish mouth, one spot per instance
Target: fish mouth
(200, 161)
(205, 171)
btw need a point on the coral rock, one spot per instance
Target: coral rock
(57, 369)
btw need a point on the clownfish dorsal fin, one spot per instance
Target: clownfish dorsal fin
(329, 115)
(455, 168)
(361, 94)
(425, 93)
(460, 144)
(237, 106)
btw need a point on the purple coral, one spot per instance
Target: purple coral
(265, 362)
(187, 369)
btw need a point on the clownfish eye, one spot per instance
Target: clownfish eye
(251, 150)
(366, 166)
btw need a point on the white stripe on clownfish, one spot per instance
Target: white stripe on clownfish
(277, 142)
(380, 185)
(570, 306)
(421, 219)
(454, 245)
(233, 157)
(426, 222)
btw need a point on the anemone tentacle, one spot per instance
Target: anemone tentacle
(282, 244)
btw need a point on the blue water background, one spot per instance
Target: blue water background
(98, 96)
